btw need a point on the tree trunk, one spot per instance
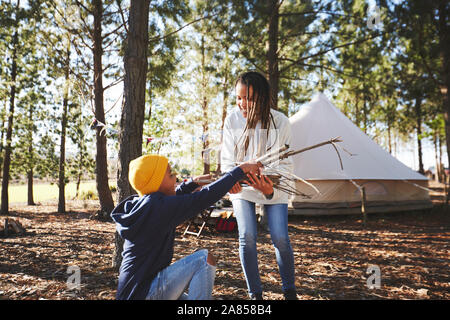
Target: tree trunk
(272, 52)
(389, 137)
(441, 165)
(62, 158)
(224, 115)
(62, 148)
(436, 156)
(133, 109)
(3, 133)
(7, 156)
(78, 184)
(444, 44)
(365, 116)
(206, 154)
(150, 101)
(225, 100)
(101, 162)
(30, 199)
(357, 115)
(418, 108)
(205, 139)
(132, 118)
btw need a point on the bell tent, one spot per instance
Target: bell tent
(389, 184)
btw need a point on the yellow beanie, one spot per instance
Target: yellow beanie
(147, 172)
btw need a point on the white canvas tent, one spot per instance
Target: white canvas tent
(389, 184)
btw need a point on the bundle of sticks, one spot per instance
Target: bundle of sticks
(283, 180)
(282, 183)
(283, 152)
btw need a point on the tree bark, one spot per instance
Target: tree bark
(132, 118)
(101, 162)
(272, 52)
(3, 132)
(7, 156)
(30, 200)
(444, 44)
(389, 140)
(365, 111)
(62, 148)
(224, 116)
(436, 156)
(441, 165)
(206, 154)
(133, 109)
(418, 108)
(205, 139)
(357, 112)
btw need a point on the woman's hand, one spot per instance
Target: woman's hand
(236, 188)
(261, 183)
(249, 167)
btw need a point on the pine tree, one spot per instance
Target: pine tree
(17, 28)
(136, 71)
(417, 63)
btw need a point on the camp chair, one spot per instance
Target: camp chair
(203, 217)
(226, 222)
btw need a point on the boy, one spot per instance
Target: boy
(147, 224)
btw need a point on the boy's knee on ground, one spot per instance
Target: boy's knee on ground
(211, 260)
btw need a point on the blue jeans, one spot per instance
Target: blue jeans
(192, 271)
(277, 219)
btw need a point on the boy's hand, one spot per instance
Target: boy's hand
(251, 166)
(203, 180)
(261, 183)
(247, 167)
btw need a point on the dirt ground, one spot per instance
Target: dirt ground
(332, 256)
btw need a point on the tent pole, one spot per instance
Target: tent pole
(362, 191)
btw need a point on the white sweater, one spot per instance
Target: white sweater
(233, 136)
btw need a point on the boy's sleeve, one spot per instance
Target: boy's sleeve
(174, 210)
(186, 187)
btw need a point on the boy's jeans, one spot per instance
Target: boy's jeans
(192, 271)
(277, 219)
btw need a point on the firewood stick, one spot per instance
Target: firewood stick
(264, 158)
(291, 153)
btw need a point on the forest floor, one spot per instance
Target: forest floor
(332, 255)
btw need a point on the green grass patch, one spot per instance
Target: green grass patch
(47, 191)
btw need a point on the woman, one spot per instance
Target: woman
(250, 131)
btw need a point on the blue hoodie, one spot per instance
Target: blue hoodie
(147, 224)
